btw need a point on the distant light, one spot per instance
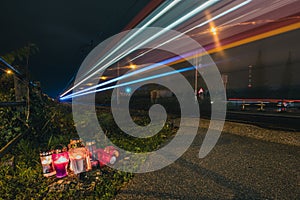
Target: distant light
(132, 66)
(128, 90)
(9, 71)
(103, 77)
(89, 84)
(200, 91)
(213, 30)
(211, 102)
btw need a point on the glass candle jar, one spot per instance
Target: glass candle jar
(105, 158)
(79, 160)
(47, 165)
(60, 159)
(91, 147)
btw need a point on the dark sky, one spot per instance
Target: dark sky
(63, 31)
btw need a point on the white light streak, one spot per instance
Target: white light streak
(193, 28)
(177, 22)
(162, 12)
(153, 37)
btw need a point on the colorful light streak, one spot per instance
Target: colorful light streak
(125, 53)
(264, 35)
(168, 60)
(193, 28)
(150, 67)
(131, 82)
(264, 100)
(136, 72)
(154, 18)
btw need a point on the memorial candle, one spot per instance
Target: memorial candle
(60, 162)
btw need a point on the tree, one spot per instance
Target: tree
(18, 58)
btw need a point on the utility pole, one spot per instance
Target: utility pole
(118, 89)
(196, 77)
(197, 63)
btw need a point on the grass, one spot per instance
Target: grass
(52, 125)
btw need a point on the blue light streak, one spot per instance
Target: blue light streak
(125, 53)
(168, 60)
(152, 38)
(132, 82)
(150, 67)
(153, 19)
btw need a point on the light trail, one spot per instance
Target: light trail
(132, 82)
(145, 69)
(153, 66)
(153, 19)
(254, 38)
(148, 68)
(264, 100)
(247, 40)
(193, 28)
(177, 22)
(200, 25)
(162, 12)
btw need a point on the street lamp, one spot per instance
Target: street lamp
(213, 30)
(132, 66)
(7, 71)
(103, 78)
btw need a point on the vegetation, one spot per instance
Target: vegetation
(44, 124)
(50, 123)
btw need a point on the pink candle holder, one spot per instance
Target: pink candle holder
(60, 162)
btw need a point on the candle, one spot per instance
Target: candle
(46, 161)
(105, 158)
(60, 162)
(91, 146)
(78, 164)
(80, 160)
(112, 151)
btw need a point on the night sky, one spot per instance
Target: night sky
(65, 31)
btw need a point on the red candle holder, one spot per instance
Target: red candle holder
(112, 151)
(105, 158)
(60, 159)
